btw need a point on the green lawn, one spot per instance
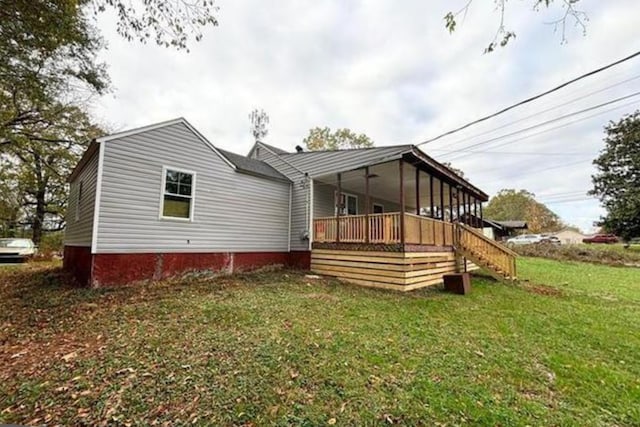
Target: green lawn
(275, 348)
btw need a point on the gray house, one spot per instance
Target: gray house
(156, 201)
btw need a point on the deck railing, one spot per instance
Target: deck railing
(488, 252)
(383, 228)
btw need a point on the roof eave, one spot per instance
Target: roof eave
(84, 160)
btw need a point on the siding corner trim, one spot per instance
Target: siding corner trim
(96, 208)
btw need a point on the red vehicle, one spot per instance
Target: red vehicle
(601, 238)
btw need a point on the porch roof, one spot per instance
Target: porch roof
(322, 163)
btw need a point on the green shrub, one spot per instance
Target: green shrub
(51, 243)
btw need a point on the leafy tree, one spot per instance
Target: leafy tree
(49, 48)
(167, 22)
(510, 204)
(38, 161)
(617, 181)
(453, 169)
(502, 37)
(48, 52)
(259, 120)
(324, 139)
(10, 205)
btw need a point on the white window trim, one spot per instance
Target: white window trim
(162, 194)
(346, 203)
(378, 204)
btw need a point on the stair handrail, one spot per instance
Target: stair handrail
(488, 240)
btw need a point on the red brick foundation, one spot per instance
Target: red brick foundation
(77, 261)
(117, 269)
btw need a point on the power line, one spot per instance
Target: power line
(544, 111)
(540, 170)
(459, 156)
(533, 98)
(523, 153)
(570, 201)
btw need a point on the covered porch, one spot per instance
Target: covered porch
(401, 224)
(409, 201)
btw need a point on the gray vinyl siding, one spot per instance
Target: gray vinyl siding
(300, 198)
(79, 232)
(324, 201)
(233, 211)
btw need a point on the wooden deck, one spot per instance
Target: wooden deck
(393, 251)
(403, 271)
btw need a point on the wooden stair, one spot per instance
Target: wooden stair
(496, 258)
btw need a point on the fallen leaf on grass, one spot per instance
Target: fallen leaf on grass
(70, 356)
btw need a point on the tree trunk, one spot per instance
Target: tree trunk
(38, 218)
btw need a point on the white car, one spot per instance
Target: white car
(17, 249)
(526, 239)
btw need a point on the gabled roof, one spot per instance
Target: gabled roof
(252, 166)
(236, 161)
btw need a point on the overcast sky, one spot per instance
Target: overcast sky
(390, 69)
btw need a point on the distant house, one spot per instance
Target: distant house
(502, 230)
(160, 200)
(569, 236)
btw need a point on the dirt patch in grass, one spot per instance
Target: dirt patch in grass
(539, 289)
(323, 297)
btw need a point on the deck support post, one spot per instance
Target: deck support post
(367, 203)
(481, 216)
(402, 207)
(338, 207)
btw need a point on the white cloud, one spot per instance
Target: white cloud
(390, 70)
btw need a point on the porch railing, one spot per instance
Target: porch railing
(383, 228)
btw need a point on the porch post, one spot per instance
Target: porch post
(450, 203)
(444, 234)
(465, 205)
(481, 215)
(401, 171)
(338, 207)
(475, 212)
(367, 203)
(457, 204)
(431, 202)
(417, 190)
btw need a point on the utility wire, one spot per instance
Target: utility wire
(539, 170)
(531, 99)
(460, 155)
(544, 111)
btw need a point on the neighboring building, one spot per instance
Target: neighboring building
(160, 200)
(569, 236)
(499, 230)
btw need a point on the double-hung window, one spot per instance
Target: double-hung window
(178, 192)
